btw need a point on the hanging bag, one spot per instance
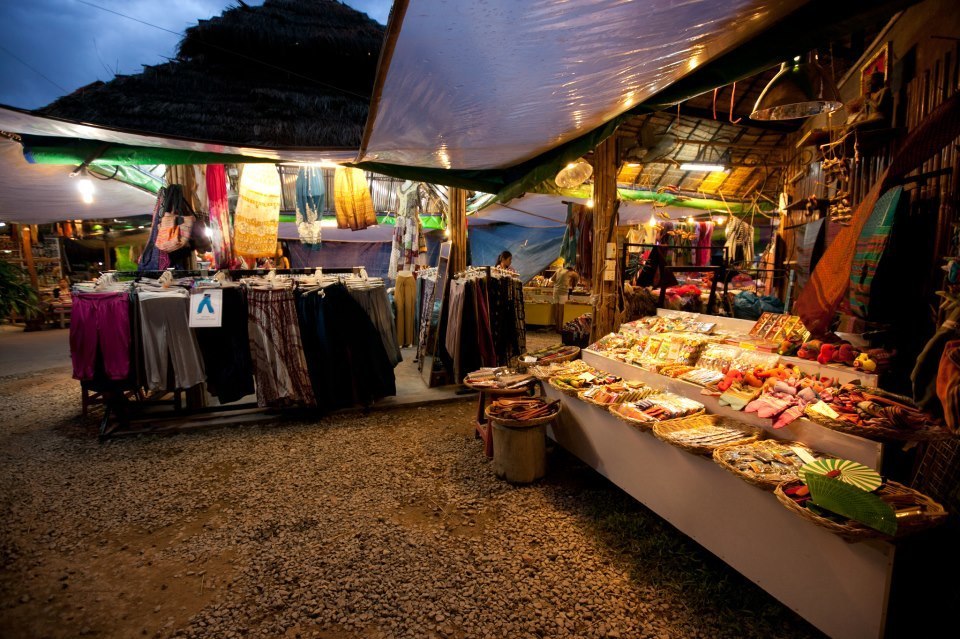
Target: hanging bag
(176, 224)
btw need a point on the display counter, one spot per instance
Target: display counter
(539, 313)
(839, 587)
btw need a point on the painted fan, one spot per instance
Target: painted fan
(849, 472)
(850, 502)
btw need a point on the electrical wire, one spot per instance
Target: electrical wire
(27, 64)
(231, 52)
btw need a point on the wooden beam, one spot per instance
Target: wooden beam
(457, 225)
(27, 255)
(605, 215)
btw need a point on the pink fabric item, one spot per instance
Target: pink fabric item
(100, 321)
(219, 214)
(788, 416)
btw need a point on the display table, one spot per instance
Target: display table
(572, 310)
(840, 588)
(539, 313)
(842, 445)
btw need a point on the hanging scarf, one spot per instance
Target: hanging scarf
(257, 218)
(219, 208)
(870, 246)
(352, 199)
(819, 300)
(406, 241)
(311, 192)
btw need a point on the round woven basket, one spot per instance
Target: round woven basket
(851, 531)
(665, 430)
(646, 426)
(522, 423)
(553, 360)
(493, 390)
(566, 390)
(766, 483)
(880, 433)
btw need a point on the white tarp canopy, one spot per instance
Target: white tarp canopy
(485, 85)
(42, 193)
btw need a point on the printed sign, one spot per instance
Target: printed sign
(206, 308)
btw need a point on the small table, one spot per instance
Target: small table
(484, 430)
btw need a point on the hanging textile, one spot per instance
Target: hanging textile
(870, 246)
(704, 240)
(150, 258)
(310, 204)
(226, 349)
(584, 217)
(818, 301)
(805, 241)
(568, 246)
(345, 356)
(219, 210)
(257, 217)
(406, 234)
(167, 340)
(739, 240)
(279, 364)
(100, 335)
(352, 199)
(404, 296)
(377, 307)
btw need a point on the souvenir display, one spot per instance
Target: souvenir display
(497, 378)
(849, 472)
(617, 393)
(767, 462)
(702, 434)
(702, 376)
(558, 353)
(554, 369)
(875, 414)
(573, 384)
(655, 408)
(525, 409)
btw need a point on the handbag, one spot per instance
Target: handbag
(176, 224)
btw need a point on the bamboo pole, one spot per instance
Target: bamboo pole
(27, 254)
(457, 225)
(605, 205)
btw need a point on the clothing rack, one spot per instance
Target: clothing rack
(719, 272)
(249, 272)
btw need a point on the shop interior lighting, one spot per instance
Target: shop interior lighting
(589, 204)
(2, 224)
(704, 167)
(719, 220)
(574, 174)
(799, 90)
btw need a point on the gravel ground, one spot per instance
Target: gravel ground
(379, 525)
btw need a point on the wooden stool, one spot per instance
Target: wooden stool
(520, 452)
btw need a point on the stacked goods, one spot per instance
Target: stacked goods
(702, 434)
(573, 384)
(617, 393)
(765, 463)
(546, 371)
(577, 331)
(497, 378)
(655, 408)
(874, 413)
(558, 353)
(522, 409)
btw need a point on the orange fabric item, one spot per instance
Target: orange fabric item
(948, 384)
(352, 199)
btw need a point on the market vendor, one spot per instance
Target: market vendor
(61, 294)
(563, 282)
(504, 260)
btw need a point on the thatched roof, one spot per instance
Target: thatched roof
(289, 73)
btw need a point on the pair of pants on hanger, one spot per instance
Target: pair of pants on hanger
(405, 298)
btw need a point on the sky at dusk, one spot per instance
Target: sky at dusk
(53, 47)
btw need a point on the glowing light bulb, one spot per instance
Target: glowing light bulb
(85, 186)
(589, 204)
(719, 219)
(208, 232)
(652, 222)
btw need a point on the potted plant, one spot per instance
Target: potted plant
(17, 297)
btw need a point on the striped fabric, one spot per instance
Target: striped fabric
(948, 384)
(279, 366)
(870, 246)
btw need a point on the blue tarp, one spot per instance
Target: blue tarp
(533, 248)
(375, 256)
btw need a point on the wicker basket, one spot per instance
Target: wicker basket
(522, 423)
(852, 531)
(880, 433)
(563, 358)
(647, 426)
(665, 431)
(495, 390)
(549, 375)
(757, 480)
(566, 390)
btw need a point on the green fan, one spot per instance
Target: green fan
(853, 503)
(849, 472)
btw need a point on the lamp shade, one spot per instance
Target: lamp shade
(799, 90)
(574, 174)
(257, 218)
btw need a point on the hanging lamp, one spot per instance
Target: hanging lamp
(799, 90)
(574, 174)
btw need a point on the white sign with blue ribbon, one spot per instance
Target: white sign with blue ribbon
(206, 308)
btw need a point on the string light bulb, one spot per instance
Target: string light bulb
(86, 188)
(719, 219)
(589, 204)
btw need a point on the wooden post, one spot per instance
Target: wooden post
(27, 256)
(605, 208)
(457, 225)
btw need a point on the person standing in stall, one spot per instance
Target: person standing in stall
(504, 260)
(563, 282)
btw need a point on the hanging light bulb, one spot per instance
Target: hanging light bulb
(86, 188)
(589, 204)
(690, 220)
(799, 90)
(652, 223)
(574, 174)
(719, 219)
